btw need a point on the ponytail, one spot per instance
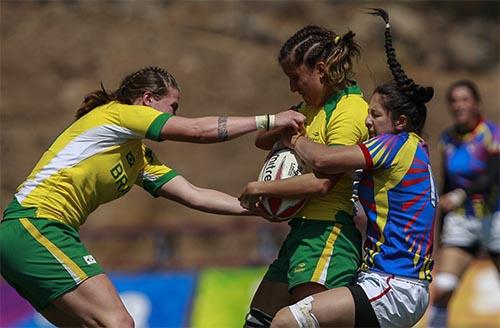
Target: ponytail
(93, 100)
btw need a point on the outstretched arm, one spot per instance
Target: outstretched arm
(211, 129)
(327, 159)
(206, 200)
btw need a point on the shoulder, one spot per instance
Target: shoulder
(447, 134)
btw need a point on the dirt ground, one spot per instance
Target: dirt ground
(223, 54)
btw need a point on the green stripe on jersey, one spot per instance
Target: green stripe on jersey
(152, 186)
(331, 103)
(154, 130)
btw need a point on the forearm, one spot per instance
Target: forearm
(329, 159)
(207, 200)
(299, 187)
(208, 129)
(216, 202)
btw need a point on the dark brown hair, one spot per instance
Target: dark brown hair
(313, 43)
(153, 79)
(466, 84)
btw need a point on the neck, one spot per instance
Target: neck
(469, 126)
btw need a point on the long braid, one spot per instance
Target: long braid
(416, 92)
(412, 103)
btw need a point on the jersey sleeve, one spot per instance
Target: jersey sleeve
(381, 151)
(143, 120)
(347, 124)
(154, 174)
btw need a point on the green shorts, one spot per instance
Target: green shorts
(325, 252)
(43, 259)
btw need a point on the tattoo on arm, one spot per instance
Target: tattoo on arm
(222, 128)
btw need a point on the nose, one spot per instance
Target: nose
(368, 122)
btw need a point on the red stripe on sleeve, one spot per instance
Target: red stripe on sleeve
(366, 154)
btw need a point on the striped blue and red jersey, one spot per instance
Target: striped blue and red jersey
(399, 197)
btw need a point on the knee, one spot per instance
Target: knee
(284, 319)
(444, 286)
(120, 319)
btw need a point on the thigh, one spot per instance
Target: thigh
(43, 259)
(59, 318)
(303, 290)
(454, 260)
(94, 302)
(271, 296)
(334, 308)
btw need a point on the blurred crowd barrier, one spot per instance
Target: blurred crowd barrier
(218, 297)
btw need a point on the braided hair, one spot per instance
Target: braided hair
(312, 44)
(153, 79)
(402, 96)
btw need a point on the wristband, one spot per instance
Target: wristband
(272, 121)
(262, 122)
(457, 196)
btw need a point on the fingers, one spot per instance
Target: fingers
(290, 118)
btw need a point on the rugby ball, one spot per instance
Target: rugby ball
(279, 165)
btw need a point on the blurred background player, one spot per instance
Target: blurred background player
(323, 247)
(97, 159)
(398, 195)
(470, 198)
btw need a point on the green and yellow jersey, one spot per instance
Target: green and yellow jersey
(341, 121)
(95, 160)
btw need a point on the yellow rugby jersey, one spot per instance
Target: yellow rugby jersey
(341, 121)
(95, 160)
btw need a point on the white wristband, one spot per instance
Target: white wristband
(457, 196)
(272, 121)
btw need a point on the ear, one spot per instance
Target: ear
(401, 123)
(147, 98)
(321, 67)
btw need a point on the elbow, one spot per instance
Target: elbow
(201, 135)
(324, 186)
(321, 164)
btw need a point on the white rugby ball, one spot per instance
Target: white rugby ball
(281, 165)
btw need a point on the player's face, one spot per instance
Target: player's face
(169, 103)
(464, 107)
(306, 82)
(379, 120)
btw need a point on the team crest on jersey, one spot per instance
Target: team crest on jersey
(130, 159)
(300, 267)
(89, 259)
